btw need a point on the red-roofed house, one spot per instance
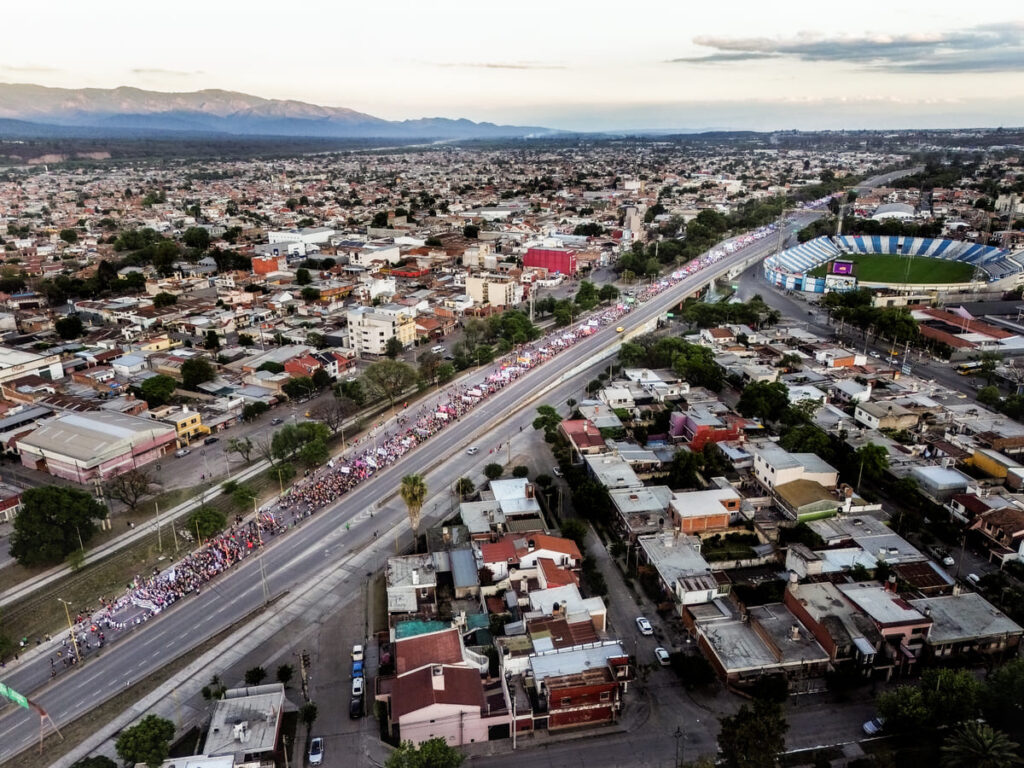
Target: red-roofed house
(442, 647)
(550, 575)
(440, 701)
(499, 556)
(584, 438)
(302, 365)
(563, 552)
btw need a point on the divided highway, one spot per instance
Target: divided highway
(296, 558)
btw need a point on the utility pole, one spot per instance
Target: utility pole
(71, 630)
(159, 539)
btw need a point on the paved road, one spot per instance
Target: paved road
(296, 558)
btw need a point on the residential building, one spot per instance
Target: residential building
(966, 623)
(411, 585)
(695, 512)
(370, 330)
(494, 290)
(774, 465)
(246, 723)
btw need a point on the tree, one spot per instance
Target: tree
(1003, 699)
(334, 412)
(389, 379)
(302, 276)
(158, 390)
(255, 675)
(129, 487)
(147, 742)
(943, 697)
(754, 737)
(298, 387)
(464, 487)
(471, 231)
(164, 299)
(321, 379)
(212, 339)
(195, 371)
(547, 419)
(53, 522)
(978, 745)
(243, 496)
(764, 400)
(242, 446)
(69, 327)
(608, 292)
(285, 672)
(252, 411)
(393, 347)
(196, 237)
(206, 522)
(69, 236)
(989, 396)
(413, 491)
(989, 360)
(308, 713)
(314, 453)
(683, 471)
(520, 471)
(434, 753)
(493, 471)
(97, 761)
(310, 294)
(872, 461)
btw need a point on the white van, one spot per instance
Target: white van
(438, 350)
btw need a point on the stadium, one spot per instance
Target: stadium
(848, 262)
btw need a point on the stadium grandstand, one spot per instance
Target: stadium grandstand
(830, 260)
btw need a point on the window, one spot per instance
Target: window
(606, 695)
(566, 701)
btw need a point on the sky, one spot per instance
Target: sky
(594, 65)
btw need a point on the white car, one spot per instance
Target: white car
(357, 686)
(473, 451)
(644, 626)
(357, 653)
(316, 751)
(556, 471)
(662, 656)
(874, 726)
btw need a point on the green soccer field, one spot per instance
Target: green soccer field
(883, 268)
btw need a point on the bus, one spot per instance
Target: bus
(965, 369)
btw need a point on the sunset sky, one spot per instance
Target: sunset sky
(592, 65)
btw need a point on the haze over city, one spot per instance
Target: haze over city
(571, 66)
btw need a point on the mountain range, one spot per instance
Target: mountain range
(28, 110)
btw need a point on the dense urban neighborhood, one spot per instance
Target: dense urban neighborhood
(695, 450)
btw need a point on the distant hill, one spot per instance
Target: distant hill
(35, 110)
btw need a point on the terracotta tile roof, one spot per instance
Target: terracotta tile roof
(556, 544)
(441, 647)
(458, 686)
(501, 551)
(583, 433)
(1009, 519)
(555, 576)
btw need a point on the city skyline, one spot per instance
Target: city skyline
(590, 67)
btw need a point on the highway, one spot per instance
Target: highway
(295, 560)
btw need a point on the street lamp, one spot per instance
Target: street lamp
(71, 630)
(678, 735)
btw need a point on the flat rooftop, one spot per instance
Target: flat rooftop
(964, 617)
(259, 707)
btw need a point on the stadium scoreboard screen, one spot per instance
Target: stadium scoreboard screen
(842, 267)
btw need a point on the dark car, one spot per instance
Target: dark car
(355, 707)
(210, 440)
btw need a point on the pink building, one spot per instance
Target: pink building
(83, 446)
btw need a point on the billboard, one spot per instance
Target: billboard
(842, 267)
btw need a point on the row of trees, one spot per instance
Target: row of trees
(692, 362)
(855, 308)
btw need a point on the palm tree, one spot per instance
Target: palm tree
(413, 492)
(464, 487)
(978, 745)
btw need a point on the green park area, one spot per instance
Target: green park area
(883, 268)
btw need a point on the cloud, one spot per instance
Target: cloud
(30, 69)
(165, 72)
(502, 65)
(986, 48)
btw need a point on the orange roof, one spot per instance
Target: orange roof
(556, 544)
(583, 433)
(442, 647)
(461, 687)
(500, 551)
(555, 576)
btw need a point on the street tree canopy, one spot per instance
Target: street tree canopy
(195, 371)
(388, 379)
(69, 327)
(50, 522)
(754, 737)
(434, 753)
(148, 741)
(158, 390)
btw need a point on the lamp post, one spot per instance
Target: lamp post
(71, 630)
(678, 735)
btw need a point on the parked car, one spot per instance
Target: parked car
(316, 751)
(357, 686)
(662, 656)
(644, 626)
(357, 653)
(210, 440)
(357, 669)
(355, 707)
(974, 578)
(556, 471)
(874, 726)
(182, 452)
(473, 450)
(275, 421)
